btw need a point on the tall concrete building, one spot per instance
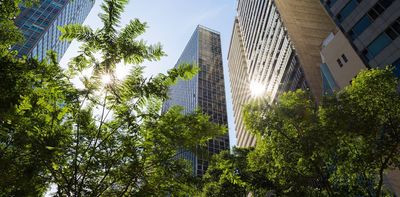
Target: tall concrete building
(275, 44)
(371, 26)
(206, 91)
(39, 25)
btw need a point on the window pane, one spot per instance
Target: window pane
(378, 9)
(361, 25)
(347, 10)
(344, 58)
(378, 45)
(34, 52)
(392, 34)
(396, 66)
(386, 3)
(373, 14)
(365, 54)
(396, 26)
(331, 2)
(339, 62)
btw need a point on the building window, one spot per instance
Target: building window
(396, 26)
(373, 14)
(369, 18)
(379, 8)
(391, 33)
(386, 3)
(360, 26)
(347, 10)
(383, 40)
(344, 58)
(396, 66)
(330, 3)
(377, 46)
(339, 62)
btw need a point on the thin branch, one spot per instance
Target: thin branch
(96, 140)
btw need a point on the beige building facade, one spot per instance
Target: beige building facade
(238, 70)
(308, 25)
(341, 59)
(276, 44)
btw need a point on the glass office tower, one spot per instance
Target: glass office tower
(39, 25)
(205, 91)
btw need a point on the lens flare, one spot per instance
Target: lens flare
(257, 89)
(106, 79)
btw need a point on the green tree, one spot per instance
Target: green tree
(289, 144)
(36, 96)
(107, 139)
(366, 116)
(340, 148)
(9, 33)
(229, 174)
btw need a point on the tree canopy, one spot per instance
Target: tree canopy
(342, 147)
(106, 139)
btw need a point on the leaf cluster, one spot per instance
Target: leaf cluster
(104, 139)
(343, 147)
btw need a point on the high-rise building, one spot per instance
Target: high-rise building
(275, 47)
(205, 91)
(372, 27)
(369, 32)
(39, 25)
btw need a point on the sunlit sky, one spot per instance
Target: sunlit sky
(172, 22)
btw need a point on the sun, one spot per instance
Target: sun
(106, 79)
(257, 89)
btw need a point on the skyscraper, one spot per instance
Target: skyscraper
(39, 25)
(367, 34)
(275, 47)
(205, 91)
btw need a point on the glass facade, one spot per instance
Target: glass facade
(396, 66)
(205, 91)
(39, 25)
(328, 83)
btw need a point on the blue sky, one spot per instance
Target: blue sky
(172, 22)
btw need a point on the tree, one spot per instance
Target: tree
(107, 139)
(288, 145)
(222, 177)
(341, 147)
(229, 174)
(36, 96)
(369, 123)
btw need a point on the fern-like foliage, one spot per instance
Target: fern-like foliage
(76, 31)
(113, 43)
